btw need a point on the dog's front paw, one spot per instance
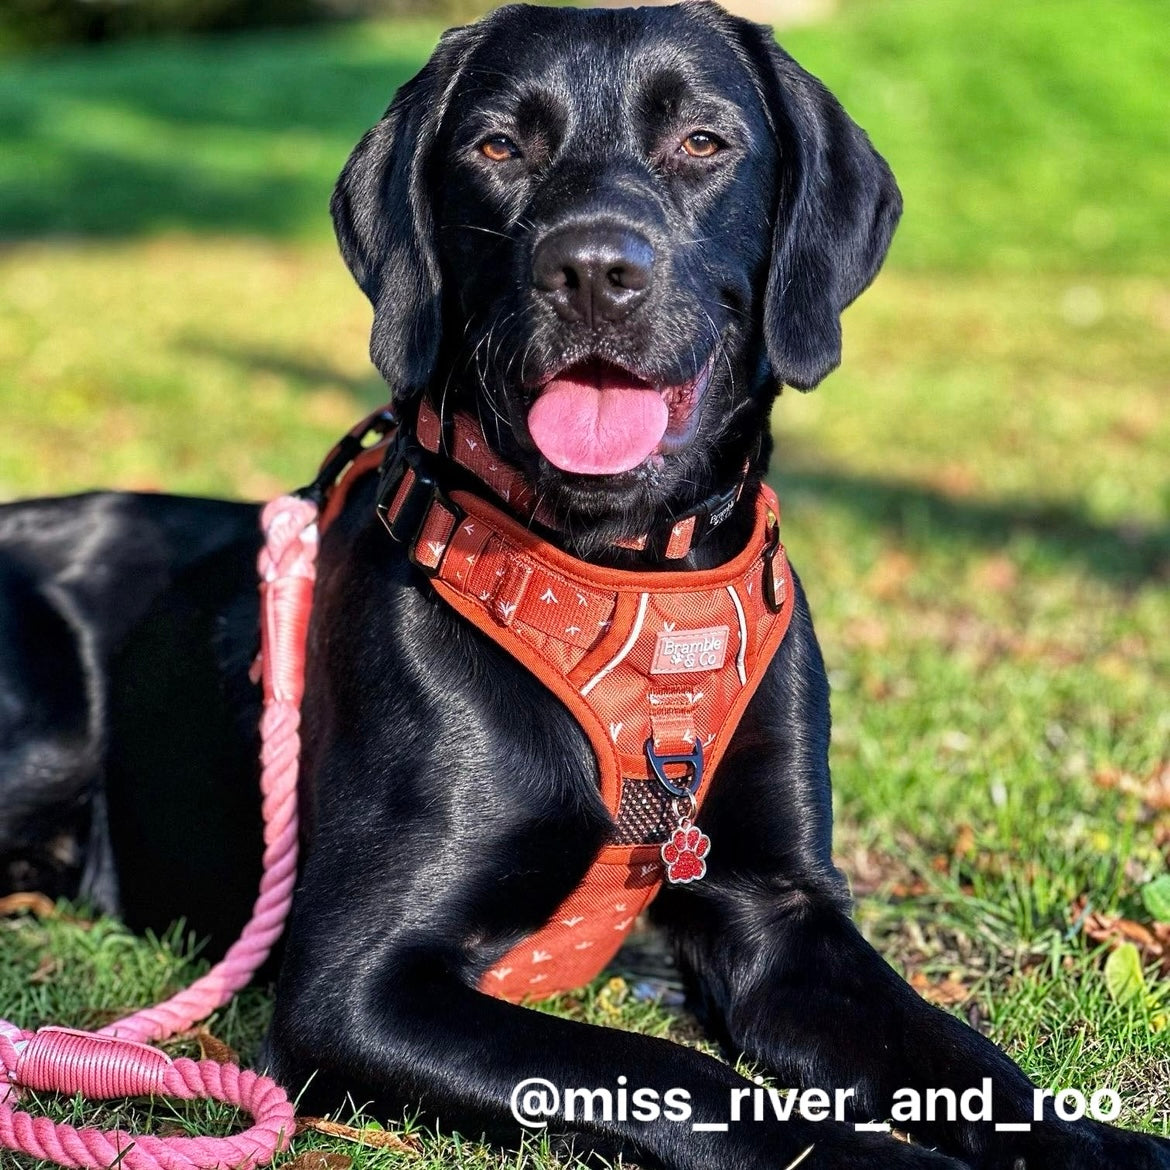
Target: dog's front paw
(1082, 1146)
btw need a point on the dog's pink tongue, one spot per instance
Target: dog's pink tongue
(589, 429)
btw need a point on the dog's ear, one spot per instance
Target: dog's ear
(837, 210)
(385, 226)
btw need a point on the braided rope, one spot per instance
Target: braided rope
(115, 1062)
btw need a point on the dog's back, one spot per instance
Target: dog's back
(97, 706)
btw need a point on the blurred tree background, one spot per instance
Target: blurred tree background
(978, 501)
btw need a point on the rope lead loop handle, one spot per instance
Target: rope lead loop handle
(116, 1062)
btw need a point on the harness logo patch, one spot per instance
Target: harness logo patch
(681, 651)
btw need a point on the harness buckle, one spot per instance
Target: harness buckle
(379, 424)
(406, 521)
(692, 760)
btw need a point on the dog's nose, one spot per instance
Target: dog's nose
(594, 275)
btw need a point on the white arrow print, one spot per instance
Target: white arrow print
(572, 629)
(647, 870)
(614, 728)
(507, 608)
(619, 907)
(581, 599)
(541, 956)
(471, 443)
(501, 973)
(668, 627)
(436, 546)
(582, 946)
(623, 924)
(574, 920)
(549, 597)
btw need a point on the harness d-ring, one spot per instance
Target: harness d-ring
(692, 760)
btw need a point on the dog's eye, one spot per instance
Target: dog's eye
(499, 148)
(702, 144)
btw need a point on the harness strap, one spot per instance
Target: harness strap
(462, 440)
(594, 638)
(582, 657)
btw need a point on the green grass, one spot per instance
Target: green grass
(978, 501)
(240, 134)
(1025, 137)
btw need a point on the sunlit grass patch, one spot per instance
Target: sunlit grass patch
(977, 502)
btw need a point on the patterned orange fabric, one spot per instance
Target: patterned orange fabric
(665, 657)
(643, 661)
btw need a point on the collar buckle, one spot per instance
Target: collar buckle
(713, 511)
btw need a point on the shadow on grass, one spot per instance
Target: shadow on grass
(368, 390)
(242, 133)
(1124, 555)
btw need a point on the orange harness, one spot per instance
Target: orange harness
(656, 668)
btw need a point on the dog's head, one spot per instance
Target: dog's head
(613, 234)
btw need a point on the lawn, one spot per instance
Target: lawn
(978, 502)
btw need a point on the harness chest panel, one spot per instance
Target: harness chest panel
(656, 667)
(647, 663)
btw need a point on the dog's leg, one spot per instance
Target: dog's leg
(788, 980)
(437, 845)
(408, 1031)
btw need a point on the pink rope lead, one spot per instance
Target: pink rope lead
(115, 1062)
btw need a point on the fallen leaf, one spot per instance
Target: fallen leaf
(1123, 974)
(1109, 929)
(213, 1048)
(1153, 790)
(1156, 794)
(319, 1160)
(47, 970)
(1156, 898)
(944, 992)
(1152, 941)
(964, 842)
(27, 903)
(379, 1139)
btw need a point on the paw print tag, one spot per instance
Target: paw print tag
(685, 851)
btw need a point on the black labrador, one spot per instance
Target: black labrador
(644, 192)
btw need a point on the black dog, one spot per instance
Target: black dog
(643, 197)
